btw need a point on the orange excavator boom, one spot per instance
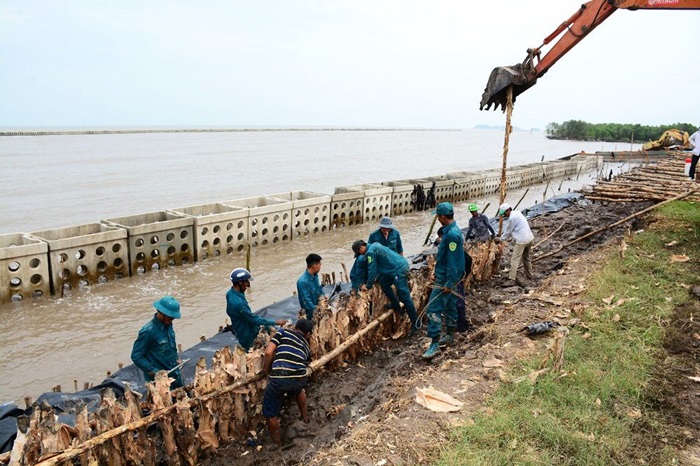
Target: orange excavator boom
(523, 76)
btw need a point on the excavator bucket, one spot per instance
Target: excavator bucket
(497, 87)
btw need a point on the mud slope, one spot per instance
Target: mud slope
(366, 412)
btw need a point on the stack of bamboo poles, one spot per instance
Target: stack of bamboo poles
(652, 182)
(225, 400)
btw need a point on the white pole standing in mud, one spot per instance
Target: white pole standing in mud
(506, 139)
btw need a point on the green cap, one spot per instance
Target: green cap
(444, 208)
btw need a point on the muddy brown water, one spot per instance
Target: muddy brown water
(56, 341)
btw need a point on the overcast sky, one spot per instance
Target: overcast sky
(376, 63)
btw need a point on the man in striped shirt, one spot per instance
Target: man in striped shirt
(286, 362)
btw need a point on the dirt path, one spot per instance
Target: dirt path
(366, 414)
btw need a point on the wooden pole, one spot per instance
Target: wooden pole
(521, 199)
(430, 232)
(323, 360)
(247, 257)
(506, 140)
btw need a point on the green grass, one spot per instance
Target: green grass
(591, 415)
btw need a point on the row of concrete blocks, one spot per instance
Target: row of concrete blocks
(60, 260)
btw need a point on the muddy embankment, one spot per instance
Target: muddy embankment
(366, 412)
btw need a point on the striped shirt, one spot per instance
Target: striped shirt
(292, 355)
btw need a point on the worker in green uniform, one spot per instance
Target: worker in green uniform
(383, 261)
(155, 348)
(358, 272)
(449, 270)
(244, 324)
(309, 289)
(387, 235)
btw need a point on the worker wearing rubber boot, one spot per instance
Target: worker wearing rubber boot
(479, 227)
(387, 235)
(309, 289)
(383, 261)
(155, 348)
(244, 324)
(449, 270)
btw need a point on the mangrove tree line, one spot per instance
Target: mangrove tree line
(611, 132)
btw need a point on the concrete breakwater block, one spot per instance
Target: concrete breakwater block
(376, 200)
(401, 191)
(218, 229)
(157, 240)
(443, 187)
(270, 220)
(311, 212)
(85, 255)
(24, 267)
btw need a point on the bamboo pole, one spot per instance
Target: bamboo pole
(550, 235)
(430, 232)
(323, 360)
(521, 198)
(612, 225)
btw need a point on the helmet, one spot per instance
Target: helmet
(473, 208)
(240, 275)
(169, 306)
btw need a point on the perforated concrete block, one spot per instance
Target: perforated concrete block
(24, 268)
(157, 240)
(311, 212)
(442, 186)
(270, 220)
(85, 255)
(218, 229)
(531, 174)
(401, 192)
(463, 185)
(586, 163)
(346, 208)
(490, 182)
(376, 202)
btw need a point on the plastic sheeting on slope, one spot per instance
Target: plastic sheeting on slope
(67, 404)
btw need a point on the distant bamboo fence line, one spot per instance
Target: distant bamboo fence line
(78, 132)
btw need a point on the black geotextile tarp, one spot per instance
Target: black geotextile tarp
(67, 405)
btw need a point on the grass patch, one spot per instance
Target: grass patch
(601, 411)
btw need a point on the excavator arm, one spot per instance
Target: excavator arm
(523, 76)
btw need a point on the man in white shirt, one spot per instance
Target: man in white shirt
(695, 141)
(517, 229)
